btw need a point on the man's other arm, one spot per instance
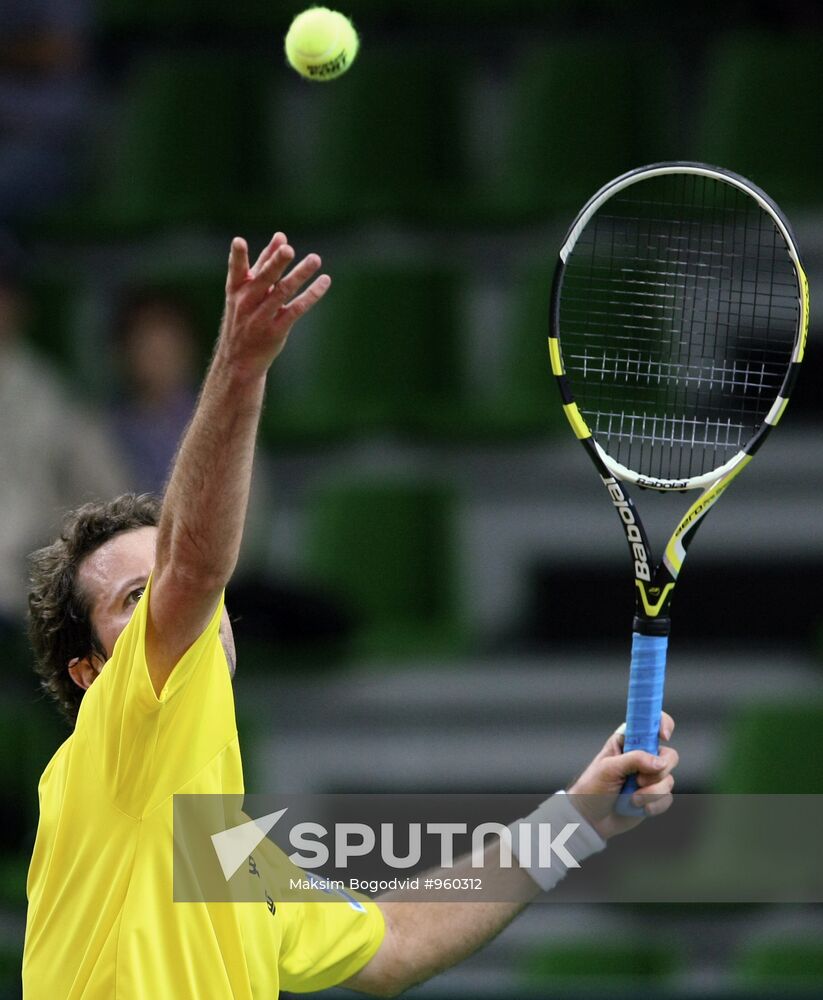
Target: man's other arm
(423, 939)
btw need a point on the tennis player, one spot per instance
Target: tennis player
(131, 637)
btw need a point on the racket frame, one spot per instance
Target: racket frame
(655, 583)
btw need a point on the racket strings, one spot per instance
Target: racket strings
(678, 316)
(744, 375)
(671, 431)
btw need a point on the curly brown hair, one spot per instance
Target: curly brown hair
(60, 625)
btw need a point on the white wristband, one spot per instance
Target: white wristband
(553, 839)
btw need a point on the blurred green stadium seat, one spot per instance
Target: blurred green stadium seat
(388, 548)
(526, 402)
(30, 733)
(765, 744)
(52, 318)
(382, 141)
(169, 17)
(762, 113)
(583, 112)
(781, 966)
(11, 960)
(186, 146)
(611, 966)
(380, 355)
(14, 870)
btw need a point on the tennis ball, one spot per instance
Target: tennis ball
(321, 44)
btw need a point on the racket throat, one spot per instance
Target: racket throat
(653, 586)
(652, 603)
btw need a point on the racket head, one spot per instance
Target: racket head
(679, 315)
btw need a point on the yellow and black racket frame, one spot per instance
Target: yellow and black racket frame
(654, 584)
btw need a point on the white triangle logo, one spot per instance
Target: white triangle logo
(235, 845)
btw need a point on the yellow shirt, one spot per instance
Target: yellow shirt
(102, 924)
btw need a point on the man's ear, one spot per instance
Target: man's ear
(84, 671)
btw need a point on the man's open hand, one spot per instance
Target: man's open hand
(263, 302)
(600, 784)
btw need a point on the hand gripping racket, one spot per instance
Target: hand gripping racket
(679, 314)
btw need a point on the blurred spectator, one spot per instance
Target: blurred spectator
(156, 353)
(53, 454)
(44, 99)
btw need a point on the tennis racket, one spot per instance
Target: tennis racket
(679, 314)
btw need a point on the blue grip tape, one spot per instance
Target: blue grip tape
(646, 678)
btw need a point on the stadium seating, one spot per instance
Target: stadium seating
(765, 744)
(381, 357)
(10, 951)
(785, 966)
(51, 325)
(177, 151)
(30, 733)
(582, 112)
(742, 821)
(381, 142)
(388, 549)
(169, 17)
(761, 114)
(613, 966)
(165, 19)
(526, 402)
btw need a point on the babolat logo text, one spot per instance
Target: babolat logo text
(662, 484)
(630, 526)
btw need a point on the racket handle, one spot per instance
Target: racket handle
(645, 705)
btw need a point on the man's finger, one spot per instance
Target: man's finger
(268, 252)
(662, 787)
(634, 762)
(615, 743)
(666, 729)
(301, 305)
(670, 758)
(238, 263)
(270, 272)
(290, 284)
(659, 804)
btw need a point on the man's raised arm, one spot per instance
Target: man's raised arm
(204, 508)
